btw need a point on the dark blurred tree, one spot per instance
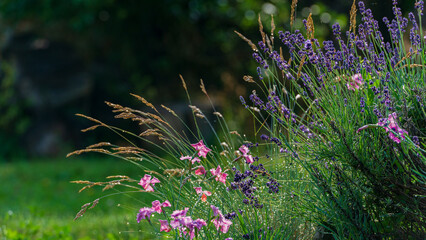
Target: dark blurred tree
(142, 46)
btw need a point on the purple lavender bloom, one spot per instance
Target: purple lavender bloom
(259, 73)
(257, 101)
(416, 140)
(362, 104)
(377, 112)
(336, 30)
(361, 7)
(263, 46)
(243, 101)
(264, 137)
(419, 6)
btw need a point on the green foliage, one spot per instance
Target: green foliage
(13, 121)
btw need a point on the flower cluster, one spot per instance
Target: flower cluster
(145, 213)
(245, 183)
(146, 182)
(202, 193)
(220, 222)
(202, 151)
(220, 176)
(185, 224)
(244, 151)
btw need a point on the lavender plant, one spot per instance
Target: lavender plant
(341, 154)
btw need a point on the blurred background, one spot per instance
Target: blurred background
(62, 57)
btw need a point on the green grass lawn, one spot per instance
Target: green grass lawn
(37, 201)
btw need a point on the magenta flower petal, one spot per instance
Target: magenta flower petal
(164, 226)
(216, 210)
(356, 82)
(225, 225)
(156, 206)
(185, 157)
(154, 181)
(249, 159)
(144, 182)
(199, 223)
(357, 79)
(144, 213)
(179, 213)
(216, 171)
(244, 150)
(220, 221)
(185, 221)
(175, 223)
(195, 160)
(166, 204)
(222, 177)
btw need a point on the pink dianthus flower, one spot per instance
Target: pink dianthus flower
(146, 182)
(157, 205)
(204, 194)
(165, 226)
(391, 124)
(201, 148)
(245, 150)
(221, 177)
(220, 221)
(144, 213)
(356, 82)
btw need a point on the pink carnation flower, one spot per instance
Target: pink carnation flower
(245, 150)
(185, 223)
(157, 205)
(391, 124)
(220, 221)
(356, 82)
(201, 148)
(221, 177)
(144, 213)
(146, 182)
(204, 195)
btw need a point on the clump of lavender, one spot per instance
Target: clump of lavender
(334, 105)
